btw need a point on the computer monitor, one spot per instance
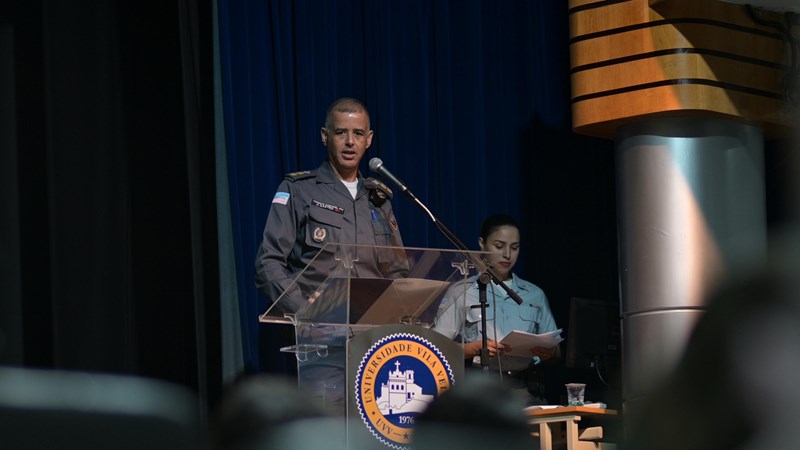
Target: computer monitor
(593, 332)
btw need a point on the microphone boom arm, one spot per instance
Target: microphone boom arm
(376, 165)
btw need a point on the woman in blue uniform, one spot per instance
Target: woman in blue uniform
(459, 320)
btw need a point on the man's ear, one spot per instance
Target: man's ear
(369, 139)
(323, 133)
(480, 243)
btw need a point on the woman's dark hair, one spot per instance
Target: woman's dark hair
(493, 222)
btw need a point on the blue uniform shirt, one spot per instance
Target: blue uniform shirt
(458, 320)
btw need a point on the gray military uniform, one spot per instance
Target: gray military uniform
(314, 208)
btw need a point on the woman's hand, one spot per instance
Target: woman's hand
(544, 353)
(472, 349)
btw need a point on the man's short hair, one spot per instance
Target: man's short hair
(345, 105)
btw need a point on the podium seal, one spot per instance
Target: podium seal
(399, 376)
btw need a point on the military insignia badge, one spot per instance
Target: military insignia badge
(399, 376)
(319, 234)
(393, 223)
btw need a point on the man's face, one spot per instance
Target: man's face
(347, 141)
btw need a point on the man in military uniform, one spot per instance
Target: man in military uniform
(332, 204)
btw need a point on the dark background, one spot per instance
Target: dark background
(109, 227)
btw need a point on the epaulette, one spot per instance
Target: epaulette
(374, 183)
(301, 175)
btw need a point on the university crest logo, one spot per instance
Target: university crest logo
(399, 376)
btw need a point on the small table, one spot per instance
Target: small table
(548, 418)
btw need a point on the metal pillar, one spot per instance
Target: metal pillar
(691, 210)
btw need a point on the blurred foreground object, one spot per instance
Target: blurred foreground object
(49, 409)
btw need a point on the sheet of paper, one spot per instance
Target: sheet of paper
(521, 342)
(535, 407)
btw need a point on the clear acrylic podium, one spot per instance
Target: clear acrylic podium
(363, 344)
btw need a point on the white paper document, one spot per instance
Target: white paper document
(521, 342)
(537, 407)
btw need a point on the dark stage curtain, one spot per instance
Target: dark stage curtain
(470, 105)
(113, 203)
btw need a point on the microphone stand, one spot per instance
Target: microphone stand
(483, 280)
(477, 262)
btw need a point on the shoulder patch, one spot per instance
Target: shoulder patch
(281, 198)
(301, 175)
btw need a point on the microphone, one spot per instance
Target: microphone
(376, 165)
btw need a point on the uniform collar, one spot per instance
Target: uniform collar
(326, 174)
(513, 283)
